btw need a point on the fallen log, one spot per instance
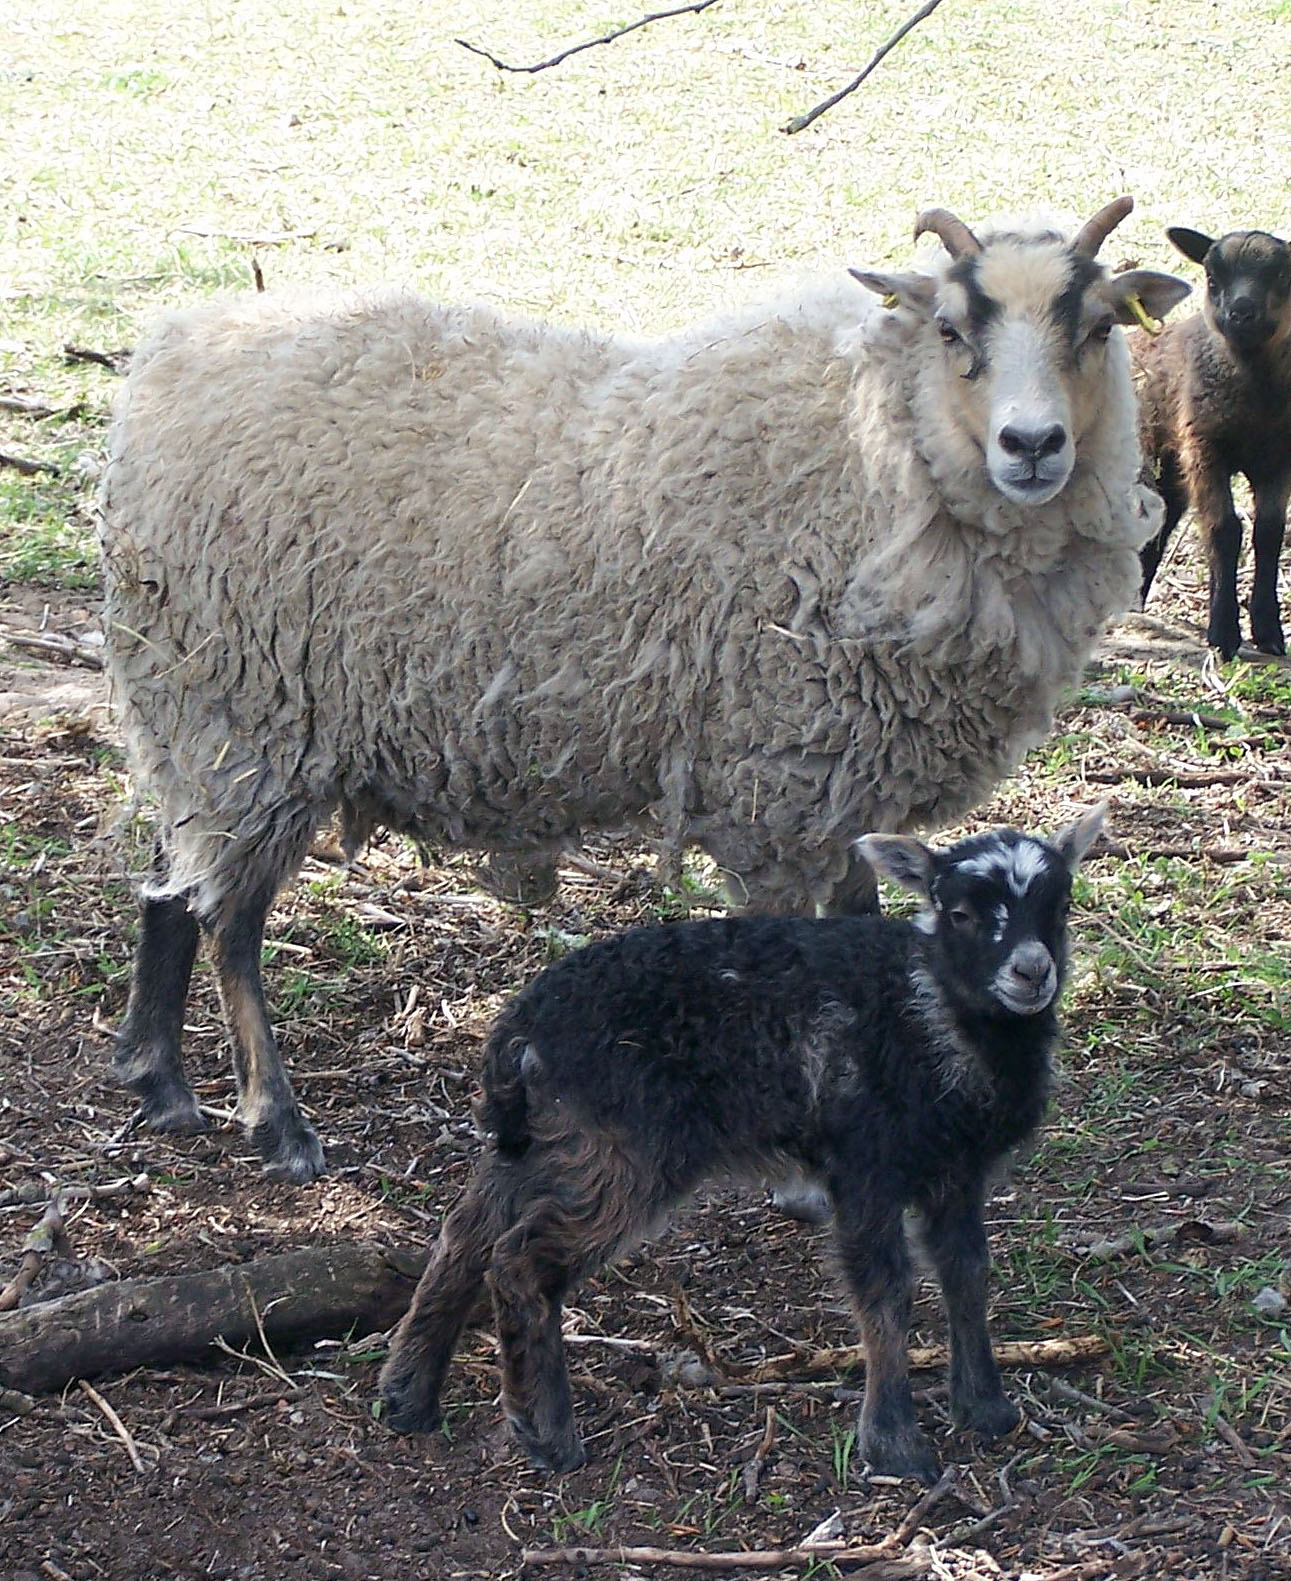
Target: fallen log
(325, 1292)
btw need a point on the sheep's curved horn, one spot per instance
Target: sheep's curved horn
(1093, 233)
(955, 236)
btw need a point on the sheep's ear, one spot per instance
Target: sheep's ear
(1140, 291)
(1192, 244)
(916, 291)
(901, 858)
(1076, 839)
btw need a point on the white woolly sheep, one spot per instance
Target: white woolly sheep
(815, 568)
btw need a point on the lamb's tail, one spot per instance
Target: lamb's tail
(503, 1112)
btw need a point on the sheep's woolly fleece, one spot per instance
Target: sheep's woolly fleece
(495, 583)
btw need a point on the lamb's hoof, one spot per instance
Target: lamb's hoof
(992, 1415)
(1226, 640)
(559, 1452)
(292, 1153)
(801, 1200)
(900, 1454)
(403, 1412)
(1274, 644)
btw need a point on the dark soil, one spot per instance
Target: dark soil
(1166, 1455)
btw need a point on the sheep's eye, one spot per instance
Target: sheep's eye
(949, 334)
(961, 918)
(1101, 331)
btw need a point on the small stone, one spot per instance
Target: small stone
(1270, 1302)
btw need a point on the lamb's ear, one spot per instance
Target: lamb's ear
(916, 291)
(1192, 244)
(901, 858)
(1139, 291)
(1076, 839)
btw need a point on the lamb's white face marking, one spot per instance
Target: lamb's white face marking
(1018, 866)
(1001, 915)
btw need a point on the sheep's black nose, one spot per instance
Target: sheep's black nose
(1242, 311)
(1033, 444)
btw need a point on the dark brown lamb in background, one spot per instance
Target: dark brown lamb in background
(1215, 401)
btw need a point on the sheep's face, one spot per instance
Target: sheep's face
(996, 915)
(1017, 329)
(1248, 284)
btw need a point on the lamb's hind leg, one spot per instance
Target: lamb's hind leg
(148, 1058)
(267, 1107)
(588, 1200)
(422, 1349)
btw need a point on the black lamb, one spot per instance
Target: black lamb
(1215, 401)
(897, 1062)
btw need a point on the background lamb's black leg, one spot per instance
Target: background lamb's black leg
(148, 1058)
(876, 1264)
(422, 1349)
(267, 1107)
(1221, 529)
(956, 1241)
(1270, 529)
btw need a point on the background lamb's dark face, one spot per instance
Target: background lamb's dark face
(999, 920)
(1248, 283)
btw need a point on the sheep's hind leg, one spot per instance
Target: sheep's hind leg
(267, 1107)
(422, 1348)
(148, 1058)
(956, 1241)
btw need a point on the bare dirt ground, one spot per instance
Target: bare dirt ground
(1152, 1216)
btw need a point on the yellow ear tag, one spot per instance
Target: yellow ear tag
(1141, 315)
(891, 300)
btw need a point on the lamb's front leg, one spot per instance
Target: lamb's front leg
(1269, 529)
(1221, 530)
(956, 1241)
(876, 1264)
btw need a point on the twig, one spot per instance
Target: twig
(117, 1425)
(801, 122)
(1148, 1238)
(1169, 777)
(20, 403)
(27, 468)
(1016, 1353)
(34, 1191)
(113, 361)
(46, 1237)
(591, 43)
(53, 1571)
(217, 1413)
(877, 1559)
(946, 1483)
(52, 646)
(753, 1471)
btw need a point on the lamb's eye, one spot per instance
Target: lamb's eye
(949, 334)
(962, 918)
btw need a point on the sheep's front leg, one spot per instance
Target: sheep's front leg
(1221, 528)
(956, 1241)
(267, 1107)
(148, 1058)
(876, 1264)
(1270, 528)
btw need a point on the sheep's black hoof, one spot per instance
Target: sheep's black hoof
(801, 1200)
(992, 1416)
(1224, 638)
(560, 1451)
(1274, 644)
(906, 1453)
(168, 1106)
(291, 1153)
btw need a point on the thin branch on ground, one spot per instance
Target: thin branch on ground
(47, 1236)
(26, 467)
(113, 361)
(117, 1426)
(591, 43)
(877, 1561)
(801, 122)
